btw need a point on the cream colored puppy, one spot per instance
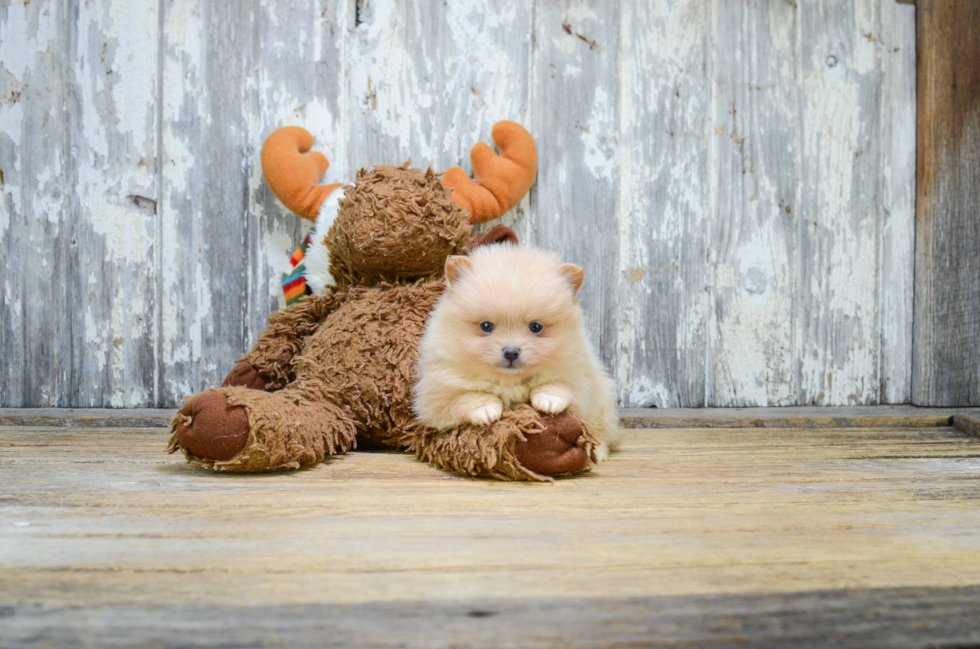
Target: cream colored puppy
(509, 331)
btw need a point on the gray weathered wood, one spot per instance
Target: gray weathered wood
(755, 179)
(427, 81)
(838, 224)
(36, 274)
(946, 365)
(788, 417)
(576, 205)
(113, 212)
(296, 76)
(806, 536)
(664, 202)
(895, 618)
(206, 159)
(673, 137)
(897, 186)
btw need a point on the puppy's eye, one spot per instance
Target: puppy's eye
(536, 327)
(486, 327)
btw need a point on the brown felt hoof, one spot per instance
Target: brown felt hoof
(216, 430)
(245, 376)
(553, 450)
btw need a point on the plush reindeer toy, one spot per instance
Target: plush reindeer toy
(336, 367)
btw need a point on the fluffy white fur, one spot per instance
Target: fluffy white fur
(463, 375)
(317, 259)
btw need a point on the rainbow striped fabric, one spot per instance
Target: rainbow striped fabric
(294, 282)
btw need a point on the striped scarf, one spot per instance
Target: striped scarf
(294, 281)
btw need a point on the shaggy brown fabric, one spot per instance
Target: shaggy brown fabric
(478, 450)
(284, 432)
(340, 369)
(396, 223)
(285, 336)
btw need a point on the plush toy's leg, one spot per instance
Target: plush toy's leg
(268, 366)
(522, 445)
(242, 430)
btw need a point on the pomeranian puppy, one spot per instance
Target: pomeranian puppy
(508, 330)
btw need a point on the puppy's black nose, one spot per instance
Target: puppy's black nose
(511, 353)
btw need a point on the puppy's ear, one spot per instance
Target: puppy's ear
(456, 266)
(574, 275)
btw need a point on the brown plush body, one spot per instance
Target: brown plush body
(336, 371)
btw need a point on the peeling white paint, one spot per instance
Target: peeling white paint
(20, 46)
(716, 292)
(598, 137)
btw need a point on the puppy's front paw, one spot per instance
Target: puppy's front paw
(601, 452)
(486, 415)
(550, 404)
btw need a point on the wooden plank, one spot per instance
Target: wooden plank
(839, 220)
(968, 423)
(427, 81)
(87, 417)
(576, 201)
(35, 204)
(206, 163)
(114, 204)
(664, 179)
(789, 417)
(827, 527)
(893, 617)
(896, 257)
(947, 266)
(297, 76)
(755, 157)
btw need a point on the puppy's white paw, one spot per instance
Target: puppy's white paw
(550, 404)
(486, 415)
(601, 452)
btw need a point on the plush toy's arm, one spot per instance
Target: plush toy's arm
(522, 445)
(271, 357)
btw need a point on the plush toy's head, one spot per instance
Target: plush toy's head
(396, 223)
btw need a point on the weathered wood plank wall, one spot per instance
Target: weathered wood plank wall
(947, 256)
(737, 176)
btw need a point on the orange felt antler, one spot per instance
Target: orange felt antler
(293, 174)
(501, 182)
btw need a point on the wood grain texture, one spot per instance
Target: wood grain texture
(113, 212)
(576, 201)
(36, 204)
(947, 265)
(736, 177)
(968, 423)
(859, 619)
(897, 197)
(789, 417)
(755, 179)
(101, 525)
(428, 81)
(839, 224)
(296, 76)
(664, 200)
(204, 229)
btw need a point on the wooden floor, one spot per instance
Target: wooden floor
(721, 537)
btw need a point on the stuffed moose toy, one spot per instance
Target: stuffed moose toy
(335, 368)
